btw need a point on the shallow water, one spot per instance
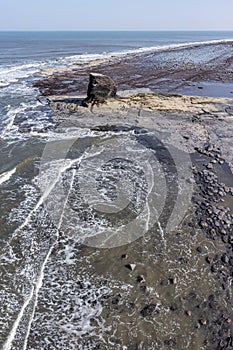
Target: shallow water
(88, 297)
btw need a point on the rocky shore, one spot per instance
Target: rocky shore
(199, 70)
(203, 305)
(205, 128)
(198, 120)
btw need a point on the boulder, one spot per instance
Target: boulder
(131, 266)
(124, 256)
(141, 279)
(150, 310)
(100, 86)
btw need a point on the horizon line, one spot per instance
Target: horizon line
(116, 30)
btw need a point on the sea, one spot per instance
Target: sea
(51, 294)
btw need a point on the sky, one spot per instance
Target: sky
(116, 15)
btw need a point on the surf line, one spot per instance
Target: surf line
(41, 277)
(7, 175)
(41, 200)
(8, 343)
(36, 288)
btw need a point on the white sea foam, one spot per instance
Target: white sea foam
(60, 169)
(23, 67)
(35, 292)
(35, 289)
(6, 175)
(12, 74)
(29, 116)
(8, 343)
(2, 84)
(41, 276)
(8, 122)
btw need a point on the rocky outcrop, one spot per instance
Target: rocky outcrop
(100, 87)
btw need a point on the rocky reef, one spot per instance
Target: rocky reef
(204, 128)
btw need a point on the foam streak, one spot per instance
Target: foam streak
(8, 343)
(7, 175)
(41, 277)
(35, 290)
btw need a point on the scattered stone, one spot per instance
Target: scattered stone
(225, 259)
(124, 256)
(171, 341)
(143, 288)
(203, 322)
(131, 266)
(213, 232)
(165, 282)
(224, 239)
(173, 280)
(214, 268)
(116, 300)
(208, 260)
(157, 302)
(203, 224)
(209, 148)
(189, 313)
(149, 310)
(199, 249)
(174, 307)
(213, 304)
(141, 279)
(209, 166)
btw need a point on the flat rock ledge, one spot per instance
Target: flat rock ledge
(196, 119)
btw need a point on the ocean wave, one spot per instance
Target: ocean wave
(180, 45)
(92, 57)
(25, 120)
(12, 74)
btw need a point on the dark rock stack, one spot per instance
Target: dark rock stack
(100, 87)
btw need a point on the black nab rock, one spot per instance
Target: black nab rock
(100, 87)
